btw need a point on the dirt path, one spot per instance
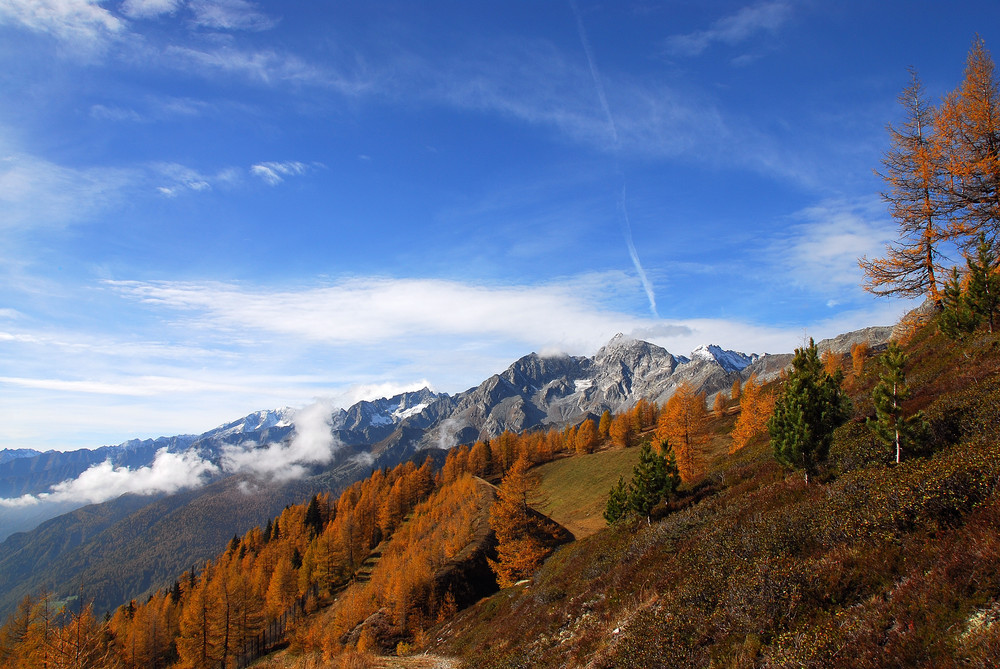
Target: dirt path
(417, 662)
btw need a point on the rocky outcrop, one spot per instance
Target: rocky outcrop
(876, 339)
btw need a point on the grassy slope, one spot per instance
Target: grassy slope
(574, 490)
(900, 564)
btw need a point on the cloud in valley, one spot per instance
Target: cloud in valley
(312, 443)
(169, 473)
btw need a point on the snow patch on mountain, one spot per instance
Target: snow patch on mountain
(731, 361)
(380, 419)
(403, 413)
(258, 420)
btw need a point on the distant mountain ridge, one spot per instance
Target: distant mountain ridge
(534, 392)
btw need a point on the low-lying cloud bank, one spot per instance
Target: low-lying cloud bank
(312, 443)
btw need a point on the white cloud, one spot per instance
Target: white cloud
(37, 193)
(273, 173)
(409, 315)
(732, 29)
(230, 15)
(823, 251)
(266, 66)
(169, 473)
(114, 113)
(182, 177)
(364, 311)
(150, 8)
(83, 23)
(131, 386)
(312, 443)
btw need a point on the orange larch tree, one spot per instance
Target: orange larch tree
(622, 432)
(520, 550)
(968, 128)
(831, 362)
(683, 423)
(586, 437)
(604, 427)
(916, 178)
(719, 405)
(756, 407)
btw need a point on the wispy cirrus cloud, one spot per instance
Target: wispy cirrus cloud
(274, 173)
(821, 250)
(84, 23)
(732, 29)
(141, 9)
(374, 313)
(263, 65)
(230, 15)
(152, 109)
(212, 14)
(36, 193)
(373, 309)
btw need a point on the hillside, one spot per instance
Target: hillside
(95, 553)
(746, 566)
(900, 564)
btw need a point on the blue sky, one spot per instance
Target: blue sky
(209, 207)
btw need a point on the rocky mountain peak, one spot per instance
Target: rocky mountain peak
(731, 361)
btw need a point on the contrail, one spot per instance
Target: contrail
(647, 286)
(593, 72)
(603, 98)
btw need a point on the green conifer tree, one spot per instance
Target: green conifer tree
(957, 318)
(314, 519)
(890, 425)
(268, 530)
(984, 283)
(811, 406)
(653, 479)
(617, 505)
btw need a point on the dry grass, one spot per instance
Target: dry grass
(575, 490)
(355, 660)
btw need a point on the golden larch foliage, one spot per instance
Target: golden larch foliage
(859, 353)
(520, 551)
(719, 405)
(586, 437)
(683, 422)
(756, 407)
(831, 362)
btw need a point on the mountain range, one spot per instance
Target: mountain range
(115, 550)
